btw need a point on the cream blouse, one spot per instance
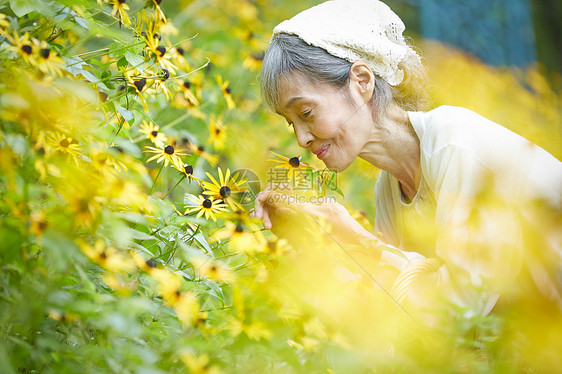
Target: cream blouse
(489, 202)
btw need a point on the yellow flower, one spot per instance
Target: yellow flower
(58, 142)
(138, 84)
(160, 53)
(239, 239)
(198, 365)
(185, 304)
(225, 187)
(168, 154)
(212, 269)
(217, 133)
(4, 24)
(187, 170)
(289, 163)
(120, 7)
(47, 60)
(152, 133)
(156, 4)
(253, 61)
(208, 206)
(226, 92)
(200, 151)
(107, 257)
(21, 45)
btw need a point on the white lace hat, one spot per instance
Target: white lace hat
(365, 30)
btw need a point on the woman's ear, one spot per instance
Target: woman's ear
(362, 80)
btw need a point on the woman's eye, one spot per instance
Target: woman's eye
(306, 114)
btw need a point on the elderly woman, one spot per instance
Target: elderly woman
(454, 185)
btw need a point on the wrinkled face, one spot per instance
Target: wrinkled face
(326, 120)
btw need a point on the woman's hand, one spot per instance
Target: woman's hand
(283, 215)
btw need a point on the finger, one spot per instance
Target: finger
(266, 220)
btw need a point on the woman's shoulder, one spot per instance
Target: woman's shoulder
(452, 126)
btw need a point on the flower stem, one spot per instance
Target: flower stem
(177, 184)
(155, 179)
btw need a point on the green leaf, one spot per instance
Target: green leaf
(135, 60)
(199, 238)
(23, 7)
(74, 65)
(127, 114)
(122, 63)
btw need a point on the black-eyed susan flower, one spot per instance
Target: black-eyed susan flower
(241, 239)
(156, 5)
(225, 187)
(199, 150)
(4, 24)
(217, 133)
(212, 269)
(139, 84)
(120, 6)
(106, 256)
(59, 142)
(152, 133)
(254, 61)
(21, 45)
(160, 52)
(186, 87)
(187, 171)
(47, 60)
(199, 364)
(226, 91)
(289, 162)
(204, 205)
(167, 153)
(184, 303)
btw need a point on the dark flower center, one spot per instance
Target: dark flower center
(122, 1)
(102, 95)
(45, 53)
(187, 84)
(151, 263)
(217, 131)
(258, 57)
(180, 51)
(64, 143)
(225, 191)
(154, 133)
(161, 50)
(158, 2)
(26, 48)
(239, 228)
(227, 90)
(140, 84)
(207, 204)
(166, 74)
(294, 162)
(169, 150)
(188, 169)
(271, 245)
(103, 255)
(200, 148)
(156, 36)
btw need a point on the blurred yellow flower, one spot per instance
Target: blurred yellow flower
(217, 133)
(119, 6)
(226, 91)
(198, 365)
(108, 257)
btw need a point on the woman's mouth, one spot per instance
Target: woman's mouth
(323, 151)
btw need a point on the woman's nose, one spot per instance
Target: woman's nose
(304, 137)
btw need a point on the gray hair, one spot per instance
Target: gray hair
(288, 54)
